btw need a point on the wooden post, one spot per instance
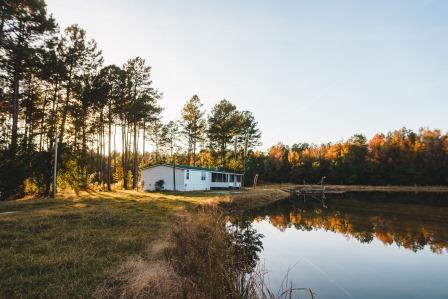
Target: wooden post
(255, 180)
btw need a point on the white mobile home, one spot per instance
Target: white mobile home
(188, 178)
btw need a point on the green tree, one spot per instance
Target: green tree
(193, 125)
(158, 134)
(73, 51)
(223, 125)
(141, 104)
(24, 26)
(249, 134)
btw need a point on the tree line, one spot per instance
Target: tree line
(400, 157)
(56, 90)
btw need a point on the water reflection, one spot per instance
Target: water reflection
(411, 221)
(248, 243)
(360, 245)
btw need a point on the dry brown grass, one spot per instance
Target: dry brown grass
(139, 278)
(200, 259)
(197, 260)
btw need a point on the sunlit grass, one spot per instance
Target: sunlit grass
(65, 247)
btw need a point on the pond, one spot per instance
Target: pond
(357, 245)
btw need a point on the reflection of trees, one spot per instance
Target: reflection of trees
(411, 226)
(248, 243)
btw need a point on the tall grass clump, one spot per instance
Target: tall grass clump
(212, 258)
(202, 257)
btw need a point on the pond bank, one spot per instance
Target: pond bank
(251, 198)
(363, 188)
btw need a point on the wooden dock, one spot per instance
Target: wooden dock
(317, 190)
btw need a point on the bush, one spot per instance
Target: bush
(160, 185)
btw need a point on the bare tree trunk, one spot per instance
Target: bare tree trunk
(15, 113)
(157, 147)
(223, 155)
(144, 141)
(109, 145)
(246, 145)
(65, 108)
(135, 170)
(98, 142)
(115, 148)
(103, 151)
(42, 122)
(124, 155)
(194, 151)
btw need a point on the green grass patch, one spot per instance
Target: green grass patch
(65, 248)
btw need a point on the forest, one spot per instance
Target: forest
(400, 157)
(106, 121)
(56, 93)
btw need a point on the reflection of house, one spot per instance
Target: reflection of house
(189, 178)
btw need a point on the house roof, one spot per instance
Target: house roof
(180, 166)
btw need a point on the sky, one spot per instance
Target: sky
(310, 71)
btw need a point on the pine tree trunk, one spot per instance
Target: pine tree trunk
(15, 113)
(194, 152)
(135, 168)
(144, 141)
(124, 156)
(42, 122)
(109, 160)
(65, 108)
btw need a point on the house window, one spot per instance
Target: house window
(217, 177)
(203, 176)
(188, 174)
(238, 178)
(232, 178)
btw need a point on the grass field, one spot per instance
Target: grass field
(66, 247)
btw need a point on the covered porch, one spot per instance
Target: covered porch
(226, 180)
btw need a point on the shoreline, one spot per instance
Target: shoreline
(251, 198)
(362, 188)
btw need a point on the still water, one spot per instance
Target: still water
(359, 245)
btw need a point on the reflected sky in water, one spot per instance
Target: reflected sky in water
(361, 246)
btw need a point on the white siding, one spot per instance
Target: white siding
(195, 182)
(165, 172)
(151, 175)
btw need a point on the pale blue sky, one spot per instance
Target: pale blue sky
(310, 71)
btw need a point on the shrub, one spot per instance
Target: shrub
(159, 185)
